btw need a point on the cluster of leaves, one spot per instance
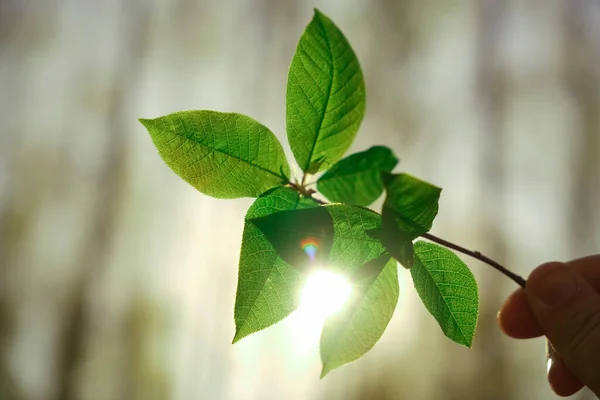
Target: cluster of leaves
(228, 155)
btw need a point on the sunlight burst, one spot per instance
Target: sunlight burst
(324, 294)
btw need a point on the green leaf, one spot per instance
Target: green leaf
(357, 178)
(409, 209)
(411, 204)
(353, 246)
(341, 234)
(448, 289)
(396, 242)
(267, 285)
(290, 232)
(224, 155)
(325, 101)
(352, 332)
(344, 243)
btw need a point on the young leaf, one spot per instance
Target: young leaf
(448, 290)
(397, 243)
(352, 332)
(353, 246)
(357, 178)
(267, 285)
(292, 233)
(411, 204)
(325, 100)
(224, 155)
(338, 232)
(408, 211)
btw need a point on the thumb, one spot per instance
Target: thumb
(568, 309)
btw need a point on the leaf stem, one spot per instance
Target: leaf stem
(304, 176)
(477, 255)
(300, 187)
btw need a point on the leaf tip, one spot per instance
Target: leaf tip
(146, 122)
(237, 337)
(319, 15)
(324, 371)
(468, 343)
(465, 341)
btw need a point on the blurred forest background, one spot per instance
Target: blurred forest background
(117, 279)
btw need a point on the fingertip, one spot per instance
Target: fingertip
(562, 381)
(516, 319)
(541, 271)
(568, 309)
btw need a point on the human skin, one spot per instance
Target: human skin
(562, 302)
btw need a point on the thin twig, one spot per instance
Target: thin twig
(475, 254)
(305, 192)
(301, 188)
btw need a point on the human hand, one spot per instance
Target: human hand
(562, 302)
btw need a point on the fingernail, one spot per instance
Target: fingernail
(554, 287)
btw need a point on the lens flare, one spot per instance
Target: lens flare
(310, 246)
(325, 293)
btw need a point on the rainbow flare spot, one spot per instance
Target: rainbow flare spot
(310, 246)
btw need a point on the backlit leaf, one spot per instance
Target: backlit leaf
(290, 232)
(398, 244)
(448, 290)
(357, 178)
(345, 245)
(325, 101)
(224, 155)
(340, 232)
(411, 204)
(352, 332)
(267, 285)
(409, 209)
(353, 246)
